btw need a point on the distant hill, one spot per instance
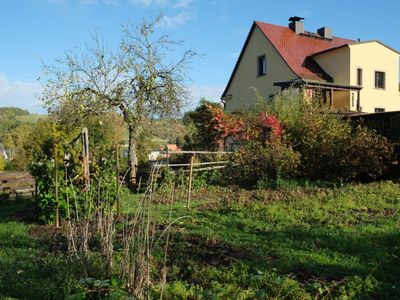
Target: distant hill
(12, 117)
(13, 111)
(162, 131)
(30, 119)
(167, 130)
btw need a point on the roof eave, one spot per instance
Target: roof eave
(239, 59)
(375, 41)
(317, 83)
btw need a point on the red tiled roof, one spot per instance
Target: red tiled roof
(296, 49)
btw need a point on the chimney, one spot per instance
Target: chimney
(325, 32)
(296, 25)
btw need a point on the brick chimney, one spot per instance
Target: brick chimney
(325, 32)
(296, 24)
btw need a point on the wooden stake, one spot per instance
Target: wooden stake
(56, 186)
(139, 185)
(190, 180)
(117, 179)
(85, 162)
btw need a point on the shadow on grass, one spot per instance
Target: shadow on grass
(27, 269)
(28, 272)
(17, 210)
(309, 252)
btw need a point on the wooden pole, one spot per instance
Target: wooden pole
(190, 180)
(117, 179)
(85, 162)
(56, 186)
(167, 152)
(139, 184)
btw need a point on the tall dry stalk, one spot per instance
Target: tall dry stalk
(95, 216)
(138, 238)
(105, 226)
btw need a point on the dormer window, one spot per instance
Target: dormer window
(261, 65)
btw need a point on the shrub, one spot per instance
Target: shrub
(2, 162)
(322, 139)
(263, 160)
(368, 154)
(330, 148)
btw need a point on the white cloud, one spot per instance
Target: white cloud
(110, 2)
(234, 55)
(209, 92)
(182, 4)
(87, 2)
(22, 94)
(178, 4)
(147, 3)
(93, 2)
(176, 20)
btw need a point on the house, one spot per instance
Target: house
(163, 152)
(3, 152)
(359, 76)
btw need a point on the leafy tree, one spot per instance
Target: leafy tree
(200, 125)
(138, 81)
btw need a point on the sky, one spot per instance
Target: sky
(34, 32)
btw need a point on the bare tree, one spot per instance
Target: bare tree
(139, 81)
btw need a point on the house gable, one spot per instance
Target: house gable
(244, 84)
(336, 62)
(372, 57)
(276, 57)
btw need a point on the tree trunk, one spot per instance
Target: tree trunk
(132, 157)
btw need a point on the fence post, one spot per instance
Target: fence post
(56, 186)
(85, 162)
(167, 152)
(117, 180)
(190, 180)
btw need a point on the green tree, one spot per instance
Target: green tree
(199, 123)
(138, 81)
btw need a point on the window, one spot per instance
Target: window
(379, 80)
(359, 76)
(379, 109)
(261, 65)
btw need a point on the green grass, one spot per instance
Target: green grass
(345, 241)
(299, 243)
(28, 268)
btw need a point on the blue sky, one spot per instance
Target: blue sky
(42, 30)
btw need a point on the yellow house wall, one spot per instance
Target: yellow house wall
(336, 63)
(245, 81)
(371, 57)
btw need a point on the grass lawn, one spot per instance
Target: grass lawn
(342, 243)
(29, 268)
(308, 243)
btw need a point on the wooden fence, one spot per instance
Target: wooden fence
(16, 185)
(193, 166)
